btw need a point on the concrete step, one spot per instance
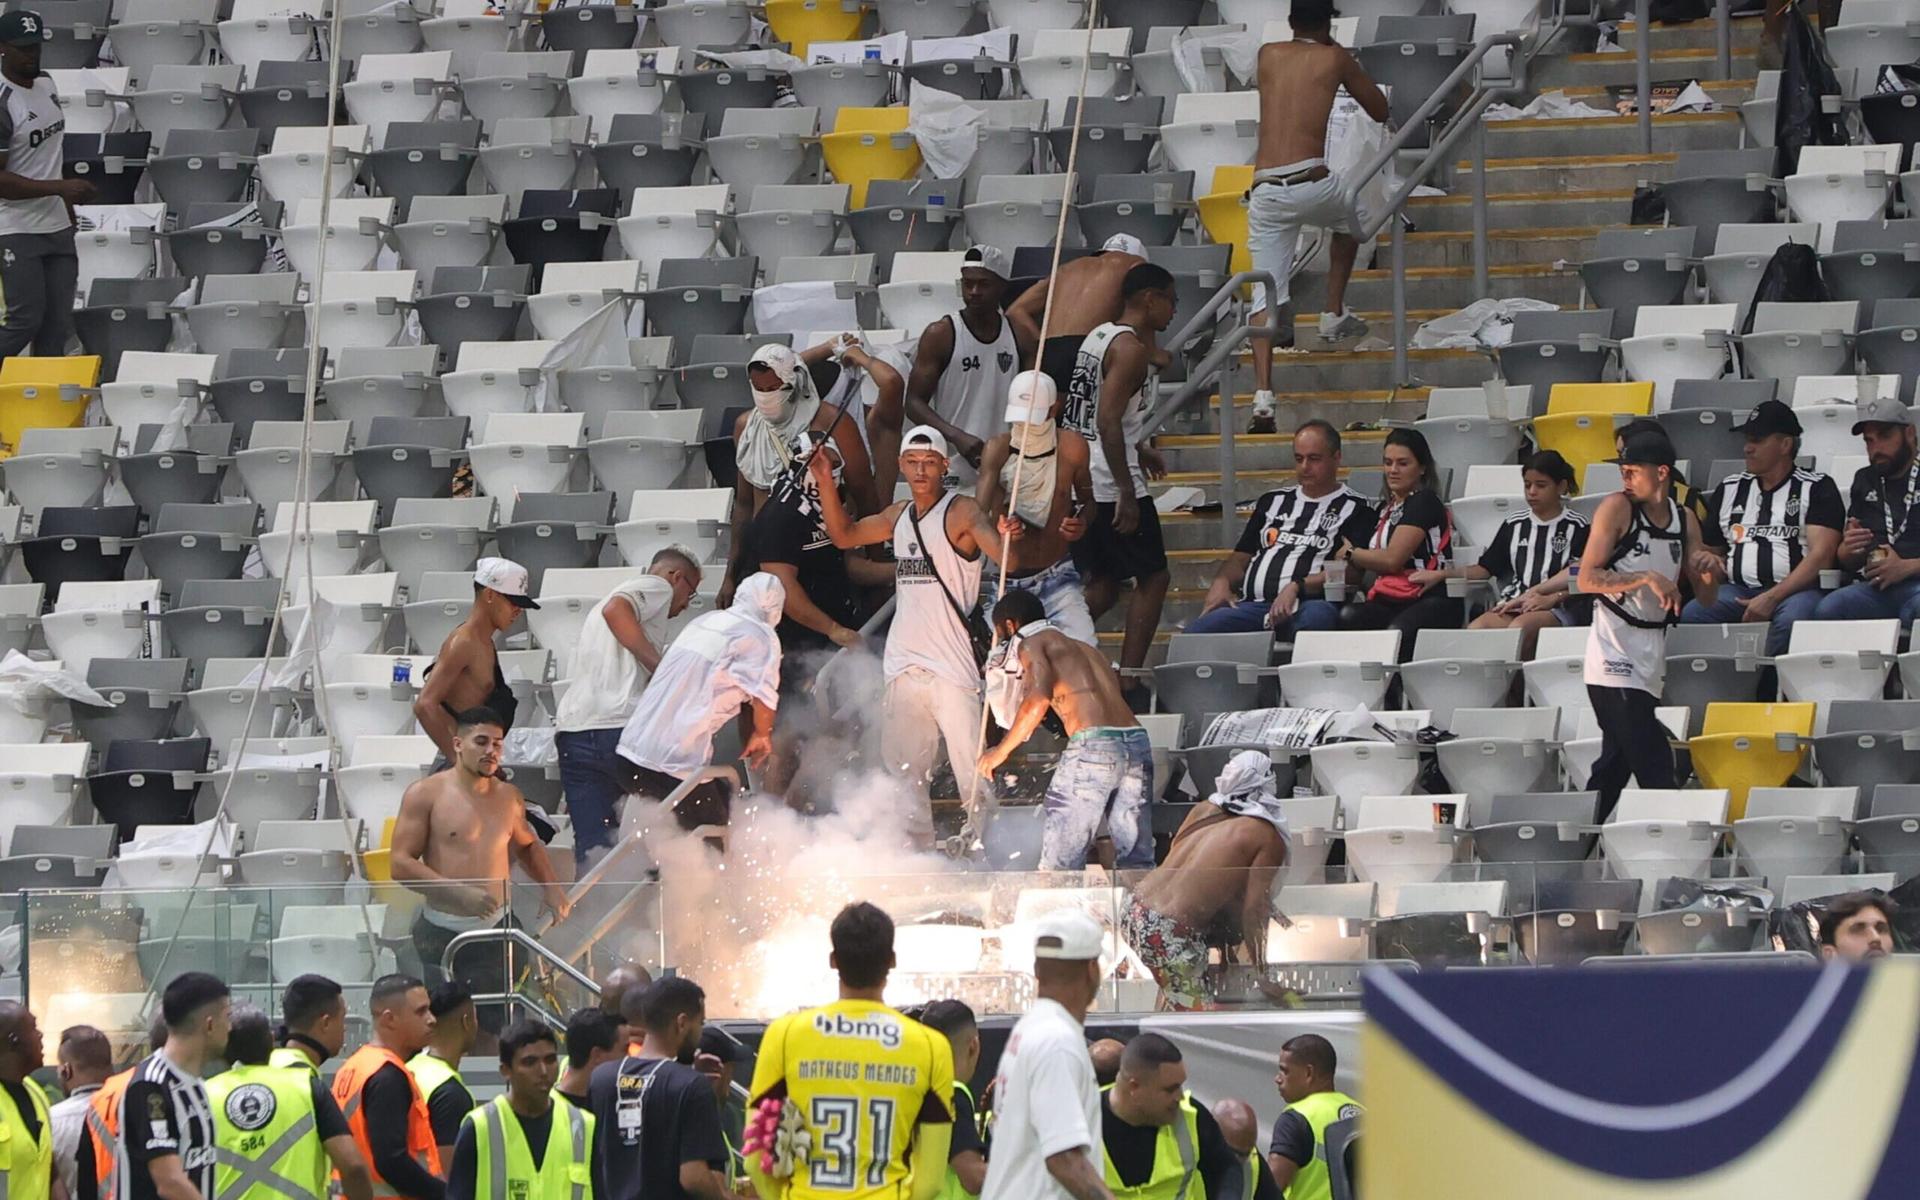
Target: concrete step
(1604, 70)
(1200, 453)
(1727, 93)
(1454, 248)
(1572, 173)
(1373, 369)
(1745, 34)
(1611, 135)
(1342, 408)
(1527, 210)
(1451, 288)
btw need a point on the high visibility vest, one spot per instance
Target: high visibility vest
(347, 1086)
(103, 1122)
(430, 1072)
(265, 1135)
(288, 1056)
(26, 1163)
(1176, 1159)
(951, 1188)
(503, 1164)
(1321, 1109)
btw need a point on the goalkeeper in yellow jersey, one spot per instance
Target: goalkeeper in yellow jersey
(850, 1101)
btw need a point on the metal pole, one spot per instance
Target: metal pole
(1400, 376)
(1479, 209)
(1643, 70)
(1229, 392)
(1723, 37)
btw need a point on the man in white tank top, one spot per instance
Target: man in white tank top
(39, 268)
(1639, 543)
(939, 538)
(964, 363)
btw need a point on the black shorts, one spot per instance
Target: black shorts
(1057, 358)
(1109, 555)
(708, 803)
(484, 967)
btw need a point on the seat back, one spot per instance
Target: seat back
(1812, 637)
(1756, 719)
(1346, 646)
(1839, 802)
(1671, 804)
(1633, 398)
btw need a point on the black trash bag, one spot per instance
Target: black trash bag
(1709, 895)
(1805, 76)
(1649, 205)
(1792, 276)
(1906, 922)
(1671, 12)
(1797, 927)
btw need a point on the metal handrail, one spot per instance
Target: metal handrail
(519, 937)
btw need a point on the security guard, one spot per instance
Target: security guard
(524, 1145)
(456, 1026)
(1156, 1142)
(26, 1125)
(1240, 1125)
(1298, 1154)
(385, 1111)
(313, 1023)
(967, 1152)
(278, 1135)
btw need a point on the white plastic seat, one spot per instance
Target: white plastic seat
(1676, 341)
(61, 468)
(434, 535)
(151, 33)
(185, 96)
(680, 222)
(224, 708)
(470, 31)
(1060, 58)
(1787, 341)
(924, 286)
(147, 388)
(1860, 47)
(1396, 839)
(275, 781)
(567, 595)
(362, 308)
(527, 153)
(1555, 676)
(1208, 130)
(39, 782)
(258, 31)
(90, 98)
(693, 518)
(571, 292)
(1841, 183)
(1795, 831)
(1325, 922)
(363, 699)
(269, 467)
(1460, 668)
(704, 22)
(320, 538)
(296, 164)
(357, 230)
(757, 147)
(99, 620)
(526, 452)
(360, 602)
(1657, 834)
(1339, 669)
(1579, 752)
(792, 221)
(1828, 433)
(1837, 660)
(612, 83)
(645, 451)
(493, 377)
(1800, 888)
(450, 231)
(116, 253)
(1500, 751)
(396, 87)
(1351, 770)
(378, 771)
(1026, 19)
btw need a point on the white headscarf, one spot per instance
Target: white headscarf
(1006, 679)
(1246, 789)
(760, 597)
(763, 452)
(1033, 438)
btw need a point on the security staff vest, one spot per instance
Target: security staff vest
(266, 1144)
(1176, 1160)
(503, 1162)
(26, 1164)
(1321, 1110)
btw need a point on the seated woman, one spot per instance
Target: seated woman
(1412, 534)
(1530, 556)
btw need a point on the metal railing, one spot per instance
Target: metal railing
(510, 996)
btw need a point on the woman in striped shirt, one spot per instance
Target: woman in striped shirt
(1412, 536)
(1530, 556)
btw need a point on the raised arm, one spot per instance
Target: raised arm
(846, 532)
(1024, 314)
(855, 467)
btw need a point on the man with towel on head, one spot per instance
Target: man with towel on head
(1055, 486)
(1216, 885)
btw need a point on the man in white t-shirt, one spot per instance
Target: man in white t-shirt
(1046, 1132)
(620, 646)
(39, 269)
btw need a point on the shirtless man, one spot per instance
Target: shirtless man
(1088, 295)
(1056, 485)
(1292, 185)
(466, 673)
(454, 843)
(1218, 873)
(965, 360)
(1106, 771)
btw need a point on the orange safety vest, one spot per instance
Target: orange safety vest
(348, 1083)
(103, 1121)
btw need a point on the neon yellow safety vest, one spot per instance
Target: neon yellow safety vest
(430, 1072)
(26, 1164)
(287, 1056)
(1176, 1159)
(503, 1163)
(266, 1143)
(951, 1188)
(1320, 1110)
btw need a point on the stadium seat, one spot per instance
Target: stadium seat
(1888, 830)
(1656, 834)
(40, 782)
(284, 91)
(644, 451)
(1837, 660)
(1499, 751)
(692, 518)
(1460, 668)
(789, 221)
(598, 391)
(1795, 831)
(514, 85)
(493, 377)
(1709, 188)
(1891, 341)
(269, 467)
(1400, 839)
(558, 530)
(1325, 922)
(534, 154)
(1841, 183)
(377, 772)
(470, 304)
(418, 159)
(198, 541)
(59, 467)
(440, 534)
(1151, 207)
(331, 534)
(1738, 749)
(143, 699)
(1340, 670)
(526, 452)
(1860, 47)
(1786, 341)
(975, 68)
(759, 147)
(674, 222)
(1741, 252)
(223, 705)
(570, 293)
(148, 782)
(694, 296)
(616, 81)
(1870, 260)
(868, 144)
(220, 618)
(1635, 267)
(1678, 341)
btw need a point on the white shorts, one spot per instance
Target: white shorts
(1275, 214)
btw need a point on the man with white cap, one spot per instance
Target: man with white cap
(720, 662)
(466, 672)
(932, 668)
(1218, 873)
(965, 361)
(1052, 471)
(1086, 295)
(1046, 1132)
(786, 402)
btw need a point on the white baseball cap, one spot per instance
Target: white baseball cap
(779, 359)
(993, 258)
(1126, 243)
(924, 437)
(1030, 398)
(1068, 933)
(507, 577)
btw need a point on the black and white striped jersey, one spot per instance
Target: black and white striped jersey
(1527, 551)
(164, 1113)
(1290, 534)
(1764, 531)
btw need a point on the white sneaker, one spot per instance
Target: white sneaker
(1336, 326)
(1263, 414)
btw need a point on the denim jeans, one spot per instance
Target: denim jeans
(1061, 592)
(1104, 772)
(1725, 610)
(589, 777)
(1249, 616)
(1864, 602)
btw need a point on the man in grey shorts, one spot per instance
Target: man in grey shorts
(1292, 185)
(38, 266)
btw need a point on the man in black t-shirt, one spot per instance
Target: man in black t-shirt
(1240, 1126)
(1149, 1095)
(1881, 539)
(656, 1124)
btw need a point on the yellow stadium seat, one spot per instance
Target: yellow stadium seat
(868, 144)
(1223, 212)
(49, 405)
(81, 370)
(1582, 438)
(804, 22)
(1736, 749)
(1630, 399)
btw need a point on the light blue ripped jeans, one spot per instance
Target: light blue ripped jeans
(1105, 771)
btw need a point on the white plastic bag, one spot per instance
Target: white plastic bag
(947, 128)
(27, 686)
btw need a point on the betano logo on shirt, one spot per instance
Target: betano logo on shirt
(1273, 535)
(867, 1029)
(1763, 533)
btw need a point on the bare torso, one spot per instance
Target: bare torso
(1040, 548)
(1086, 293)
(1298, 81)
(478, 660)
(1086, 692)
(470, 835)
(1204, 877)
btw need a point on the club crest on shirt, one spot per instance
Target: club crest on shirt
(1793, 507)
(251, 1106)
(1005, 359)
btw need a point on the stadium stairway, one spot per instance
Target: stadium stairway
(1552, 186)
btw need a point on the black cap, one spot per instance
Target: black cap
(1647, 450)
(22, 27)
(1770, 417)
